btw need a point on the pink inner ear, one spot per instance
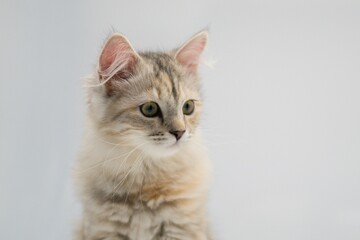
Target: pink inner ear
(189, 54)
(108, 54)
(117, 56)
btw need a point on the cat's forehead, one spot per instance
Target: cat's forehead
(166, 87)
(165, 76)
(161, 61)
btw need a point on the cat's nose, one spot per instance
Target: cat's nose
(178, 134)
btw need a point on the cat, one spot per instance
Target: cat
(143, 171)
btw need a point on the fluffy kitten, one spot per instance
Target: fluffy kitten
(142, 172)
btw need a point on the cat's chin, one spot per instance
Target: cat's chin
(160, 151)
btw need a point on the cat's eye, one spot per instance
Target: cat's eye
(188, 107)
(150, 109)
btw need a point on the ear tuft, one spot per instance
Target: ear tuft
(188, 55)
(117, 60)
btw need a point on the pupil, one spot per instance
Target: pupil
(150, 108)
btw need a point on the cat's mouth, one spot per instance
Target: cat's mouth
(173, 145)
(165, 147)
(168, 144)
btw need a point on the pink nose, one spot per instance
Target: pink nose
(177, 134)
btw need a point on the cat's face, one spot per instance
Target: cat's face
(153, 104)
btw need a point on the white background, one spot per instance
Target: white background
(282, 110)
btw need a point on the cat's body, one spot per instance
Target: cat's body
(143, 172)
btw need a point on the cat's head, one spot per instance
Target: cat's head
(150, 100)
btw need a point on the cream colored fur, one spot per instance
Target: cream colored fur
(130, 188)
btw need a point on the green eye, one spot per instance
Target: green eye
(188, 107)
(149, 109)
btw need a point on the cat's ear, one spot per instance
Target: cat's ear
(117, 60)
(188, 55)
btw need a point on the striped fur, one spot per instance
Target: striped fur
(135, 180)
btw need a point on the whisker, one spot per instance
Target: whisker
(127, 156)
(137, 166)
(122, 163)
(103, 162)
